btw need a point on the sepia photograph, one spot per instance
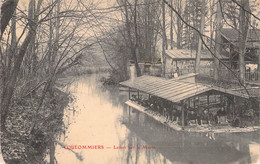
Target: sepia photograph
(130, 82)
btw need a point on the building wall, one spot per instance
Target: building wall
(185, 67)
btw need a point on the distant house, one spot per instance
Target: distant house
(182, 61)
(230, 40)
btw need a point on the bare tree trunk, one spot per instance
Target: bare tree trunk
(179, 25)
(50, 45)
(202, 24)
(164, 42)
(164, 26)
(138, 71)
(56, 36)
(217, 42)
(211, 22)
(146, 37)
(132, 45)
(52, 153)
(171, 29)
(7, 9)
(243, 30)
(31, 48)
(10, 86)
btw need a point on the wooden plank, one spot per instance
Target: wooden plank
(172, 88)
(177, 90)
(189, 90)
(190, 94)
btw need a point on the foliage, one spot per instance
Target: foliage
(24, 144)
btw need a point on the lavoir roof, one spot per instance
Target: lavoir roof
(172, 89)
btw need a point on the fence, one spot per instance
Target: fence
(224, 73)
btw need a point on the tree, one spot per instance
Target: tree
(164, 40)
(7, 10)
(217, 41)
(202, 25)
(142, 27)
(9, 82)
(193, 15)
(179, 4)
(243, 31)
(32, 63)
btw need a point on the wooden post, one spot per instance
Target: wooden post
(177, 66)
(129, 115)
(129, 93)
(182, 115)
(233, 106)
(208, 101)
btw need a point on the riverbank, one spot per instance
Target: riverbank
(33, 129)
(202, 129)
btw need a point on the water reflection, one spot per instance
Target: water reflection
(104, 119)
(190, 147)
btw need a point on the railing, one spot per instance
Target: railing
(252, 76)
(224, 73)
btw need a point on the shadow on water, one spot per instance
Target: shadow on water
(105, 120)
(186, 147)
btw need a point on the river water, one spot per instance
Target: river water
(102, 119)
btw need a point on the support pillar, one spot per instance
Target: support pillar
(182, 115)
(129, 93)
(208, 101)
(129, 115)
(233, 106)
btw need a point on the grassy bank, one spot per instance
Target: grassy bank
(31, 130)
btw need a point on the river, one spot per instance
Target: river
(113, 133)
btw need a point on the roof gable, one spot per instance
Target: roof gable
(232, 35)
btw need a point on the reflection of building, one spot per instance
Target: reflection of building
(182, 147)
